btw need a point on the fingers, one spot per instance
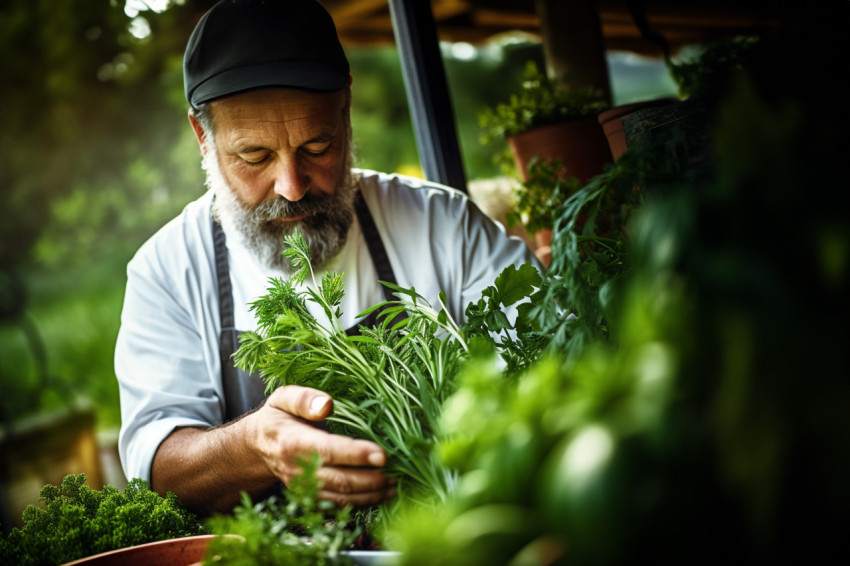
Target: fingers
(300, 439)
(351, 480)
(334, 450)
(349, 471)
(305, 402)
(355, 486)
(359, 499)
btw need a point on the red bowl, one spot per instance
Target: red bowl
(171, 552)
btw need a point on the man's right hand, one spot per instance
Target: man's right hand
(282, 431)
(208, 469)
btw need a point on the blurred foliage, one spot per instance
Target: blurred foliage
(90, 162)
(96, 155)
(710, 424)
(710, 68)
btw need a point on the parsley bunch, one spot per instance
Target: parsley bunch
(76, 521)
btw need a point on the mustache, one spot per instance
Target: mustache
(309, 205)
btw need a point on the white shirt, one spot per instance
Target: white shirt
(167, 353)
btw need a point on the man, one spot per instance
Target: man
(268, 85)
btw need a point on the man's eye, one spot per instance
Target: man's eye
(254, 159)
(316, 148)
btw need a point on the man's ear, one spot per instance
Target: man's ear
(199, 132)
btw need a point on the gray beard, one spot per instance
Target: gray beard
(325, 227)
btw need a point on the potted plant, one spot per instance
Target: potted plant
(544, 122)
(552, 123)
(611, 121)
(701, 80)
(75, 521)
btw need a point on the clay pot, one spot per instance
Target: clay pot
(185, 551)
(543, 246)
(580, 144)
(611, 121)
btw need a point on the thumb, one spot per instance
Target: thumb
(305, 402)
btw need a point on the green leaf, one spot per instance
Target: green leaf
(401, 290)
(372, 309)
(298, 253)
(496, 321)
(332, 288)
(514, 284)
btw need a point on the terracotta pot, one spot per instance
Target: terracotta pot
(543, 246)
(611, 121)
(184, 551)
(579, 144)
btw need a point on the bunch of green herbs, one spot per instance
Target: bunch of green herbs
(489, 329)
(388, 382)
(591, 237)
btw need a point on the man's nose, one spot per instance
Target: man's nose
(290, 183)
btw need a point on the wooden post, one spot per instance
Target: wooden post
(427, 92)
(573, 44)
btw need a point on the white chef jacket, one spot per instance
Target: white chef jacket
(167, 353)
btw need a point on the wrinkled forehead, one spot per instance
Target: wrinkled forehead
(279, 105)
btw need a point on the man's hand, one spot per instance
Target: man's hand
(209, 468)
(281, 432)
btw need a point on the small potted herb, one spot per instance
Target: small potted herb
(548, 121)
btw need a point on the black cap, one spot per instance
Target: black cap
(240, 45)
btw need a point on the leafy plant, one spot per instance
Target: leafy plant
(708, 72)
(706, 414)
(488, 327)
(539, 102)
(541, 195)
(296, 528)
(76, 521)
(591, 239)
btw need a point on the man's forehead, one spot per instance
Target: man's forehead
(278, 105)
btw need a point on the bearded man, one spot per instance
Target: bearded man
(269, 90)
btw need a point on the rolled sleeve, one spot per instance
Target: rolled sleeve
(168, 370)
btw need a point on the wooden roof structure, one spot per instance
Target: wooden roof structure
(575, 35)
(369, 22)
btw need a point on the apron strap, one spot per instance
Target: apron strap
(222, 272)
(375, 244)
(242, 391)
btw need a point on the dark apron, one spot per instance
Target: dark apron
(244, 391)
